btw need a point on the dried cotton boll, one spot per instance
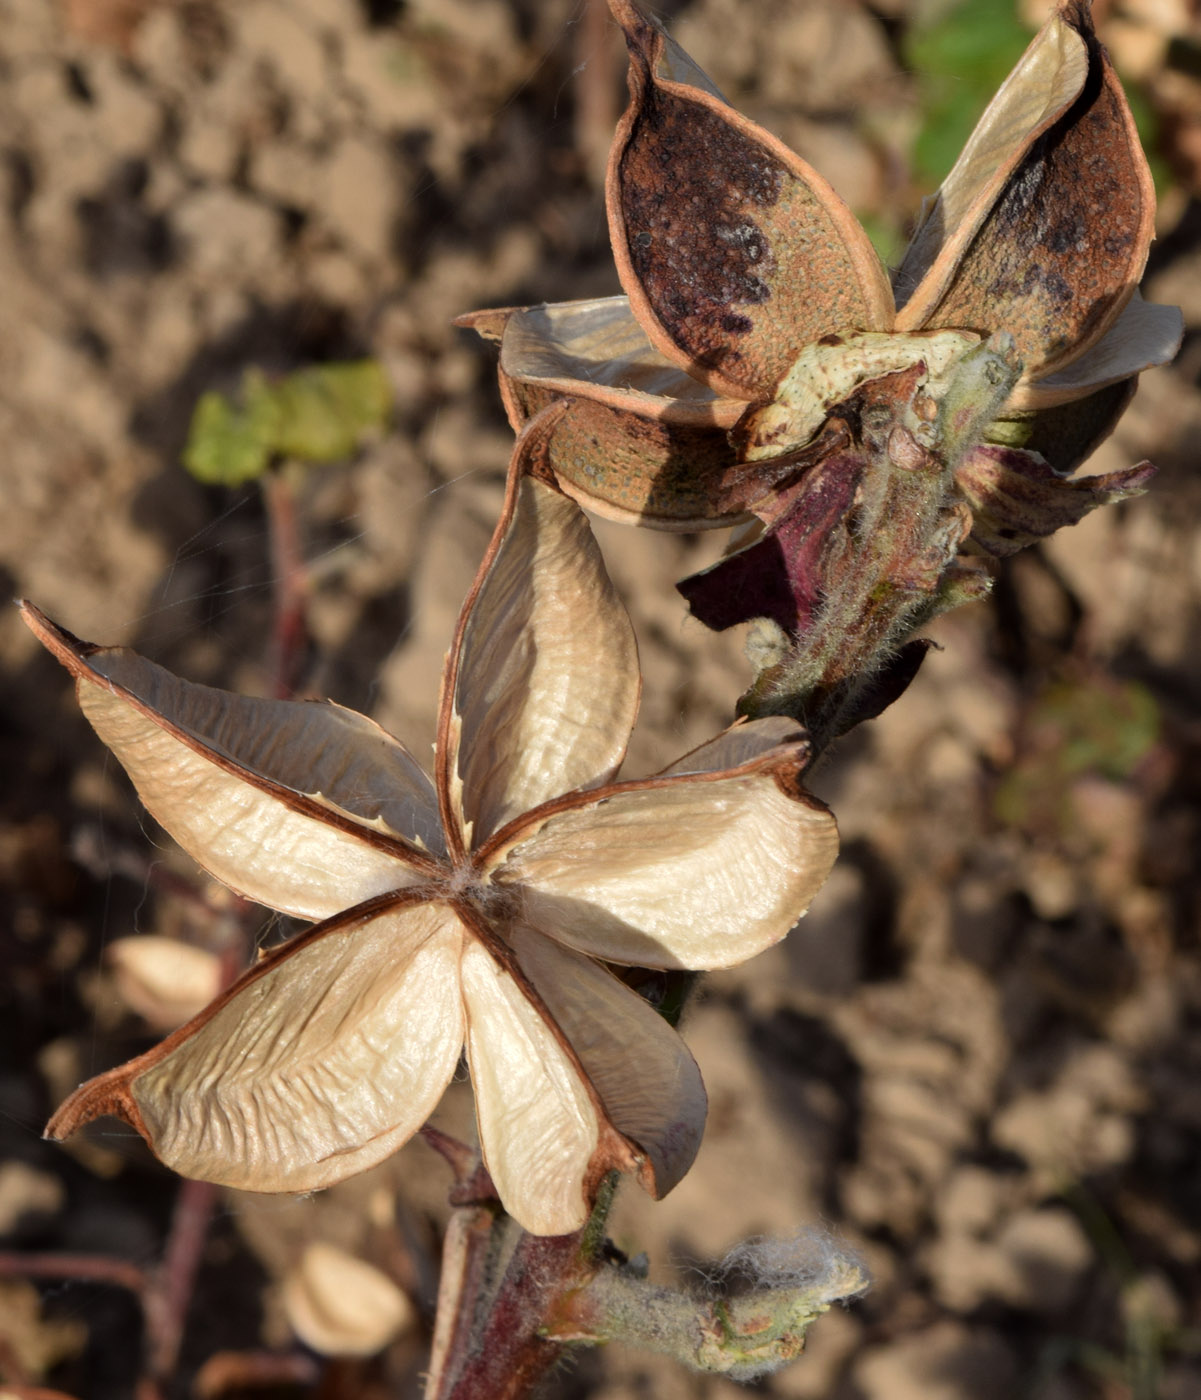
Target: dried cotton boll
(410, 880)
(166, 982)
(340, 1306)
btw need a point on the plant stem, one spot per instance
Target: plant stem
(86, 1268)
(891, 561)
(500, 1288)
(596, 88)
(290, 577)
(168, 1302)
(506, 1301)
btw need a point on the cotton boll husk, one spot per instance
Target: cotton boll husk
(164, 981)
(340, 1306)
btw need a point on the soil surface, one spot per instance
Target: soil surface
(977, 1061)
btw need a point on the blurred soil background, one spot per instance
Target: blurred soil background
(978, 1060)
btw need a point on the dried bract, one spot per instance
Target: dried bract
(477, 909)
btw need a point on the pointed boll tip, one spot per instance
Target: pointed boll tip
(30, 612)
(489, 324)
(63, 1122)
(50, 634)
(38, 623)
(1079, 14)
(63, 645)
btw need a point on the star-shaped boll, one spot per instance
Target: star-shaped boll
(475, 911)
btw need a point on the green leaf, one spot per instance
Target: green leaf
(326, 410)
(228, 445)
(317, 414)
(886, 237)
(960, 55)
(1107, 730)
(1146, 120)
(1103, 726)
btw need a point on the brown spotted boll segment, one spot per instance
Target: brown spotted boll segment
(1061, 252)
(697, 248)
(735, 254)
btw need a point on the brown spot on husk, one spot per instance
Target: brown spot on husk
(696, 243)
(742, 253)
(1061, 251)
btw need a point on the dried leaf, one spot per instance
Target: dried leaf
(885, 686)
(1017, 499)
(780, 576)
(1069, 433)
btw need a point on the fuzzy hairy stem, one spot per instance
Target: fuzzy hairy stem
(742, 1335)
(892, 564)
(500, 1287)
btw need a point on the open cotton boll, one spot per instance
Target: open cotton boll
(340, 1306)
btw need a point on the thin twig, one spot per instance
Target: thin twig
(290, 577)
(244, 1370)
(89, 1268)
(168, 1302)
